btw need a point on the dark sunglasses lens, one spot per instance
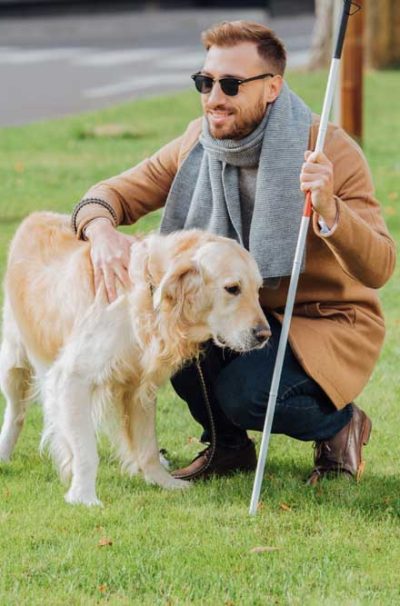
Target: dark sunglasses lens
(203, 83)
(230, 86)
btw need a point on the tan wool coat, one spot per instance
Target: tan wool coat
(337, 329)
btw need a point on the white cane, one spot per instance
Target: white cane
(330, 90)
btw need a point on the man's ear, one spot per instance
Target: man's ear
(181, 280)
(273, 87)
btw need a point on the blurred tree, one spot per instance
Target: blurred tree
(351, 74)
(383, 33)
(321, 45)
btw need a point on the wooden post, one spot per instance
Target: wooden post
(352, 76)
(383, 33)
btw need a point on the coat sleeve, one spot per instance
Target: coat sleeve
(360, 240)
(133, 193)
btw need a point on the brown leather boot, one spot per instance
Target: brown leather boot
(224, 462)
(342, 453)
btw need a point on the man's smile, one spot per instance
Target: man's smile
(219, 116)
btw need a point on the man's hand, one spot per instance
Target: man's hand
(317, 177)
(110, 253)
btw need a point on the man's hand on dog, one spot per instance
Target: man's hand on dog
(109, 252)
(317, 177)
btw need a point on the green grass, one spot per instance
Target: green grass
(336, 544)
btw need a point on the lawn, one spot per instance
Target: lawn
(336, 544)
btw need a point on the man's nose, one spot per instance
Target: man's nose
(216, 95)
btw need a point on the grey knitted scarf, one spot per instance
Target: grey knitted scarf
(205, 191)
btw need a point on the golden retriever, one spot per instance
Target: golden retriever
(101, 364)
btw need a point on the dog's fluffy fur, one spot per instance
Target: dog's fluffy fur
(96, 363)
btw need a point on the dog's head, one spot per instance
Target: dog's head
(208, 285)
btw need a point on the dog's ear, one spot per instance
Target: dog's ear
(181, 281)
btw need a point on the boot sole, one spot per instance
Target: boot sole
(366, 433)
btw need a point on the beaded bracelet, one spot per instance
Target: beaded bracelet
(86, 201)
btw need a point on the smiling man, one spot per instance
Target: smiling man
(241, 171)
(237, 117)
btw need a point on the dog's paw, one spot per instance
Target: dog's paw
(176, 484)
(5, 453)
(73, 497)
(166, 481)
(157, 474)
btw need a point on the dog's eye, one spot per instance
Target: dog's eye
(233, 290)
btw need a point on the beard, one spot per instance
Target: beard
(242, 126)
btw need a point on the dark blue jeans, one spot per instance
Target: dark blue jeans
(238, 389)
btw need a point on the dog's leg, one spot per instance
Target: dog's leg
(15, 386)
(85, 361)
(15, 383)
(124, 439)
(146, 447)
(69, 416)
(53, 433)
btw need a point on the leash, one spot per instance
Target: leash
(213, 432)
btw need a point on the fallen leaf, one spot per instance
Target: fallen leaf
(193, 440)
(260, 506)
(264, 549)
(360, 470)
(390, 211)
(393, 195)
(104, 542)
(19, 167)
(103, 588)
(285, 507)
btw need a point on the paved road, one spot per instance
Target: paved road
(57, 65)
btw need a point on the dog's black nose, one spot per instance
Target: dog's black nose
(262, 333)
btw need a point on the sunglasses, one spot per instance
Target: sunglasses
(229, 86)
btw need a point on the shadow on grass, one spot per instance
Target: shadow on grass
(111, 131)
(284, 484)
(12, 219)
(375, 497)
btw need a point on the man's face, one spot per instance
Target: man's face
(235, 117)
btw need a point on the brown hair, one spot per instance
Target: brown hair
(230, 33)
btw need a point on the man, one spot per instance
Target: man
(236, 172)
